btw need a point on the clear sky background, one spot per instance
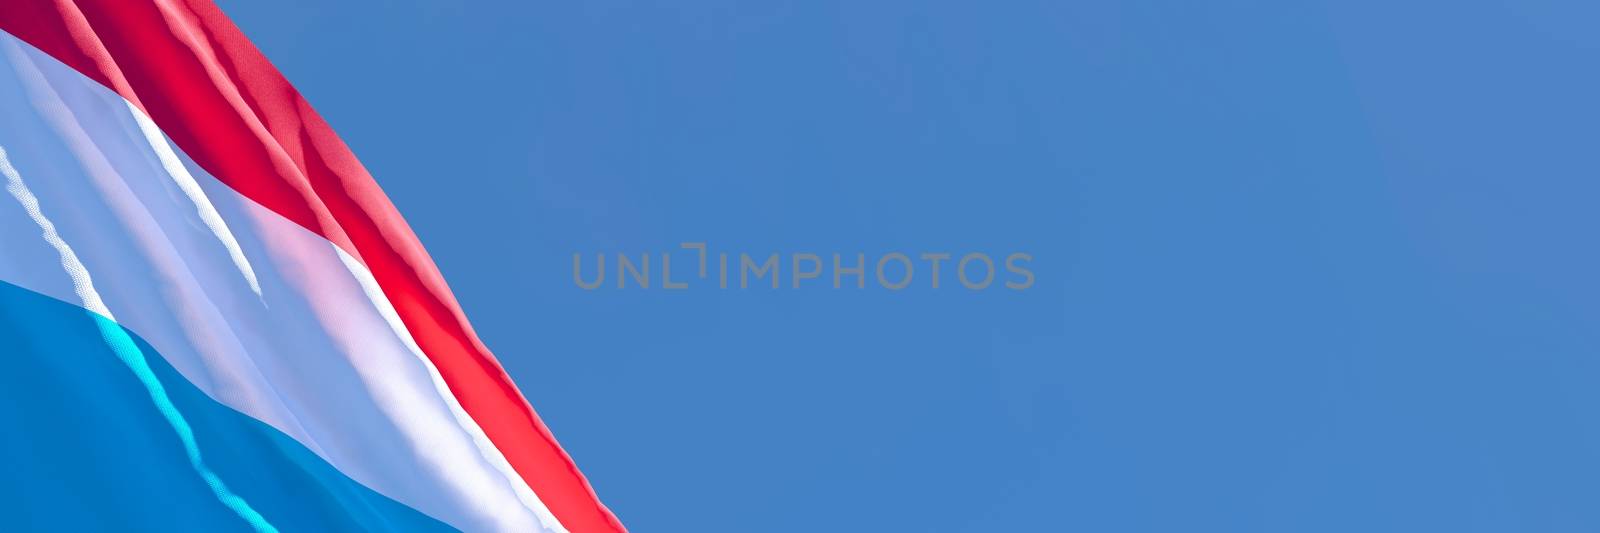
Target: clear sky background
(1301, 265)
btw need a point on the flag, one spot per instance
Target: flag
(214, 318)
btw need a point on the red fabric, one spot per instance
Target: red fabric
(230, 110)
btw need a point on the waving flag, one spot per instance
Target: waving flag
(211, 316)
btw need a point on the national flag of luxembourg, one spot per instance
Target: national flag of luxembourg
(211, 317)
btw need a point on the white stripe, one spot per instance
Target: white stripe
(81, 284)
(374, 293)
(328, 362)
(186, 183)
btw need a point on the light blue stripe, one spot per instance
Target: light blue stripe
(130, 354)
(86, 449)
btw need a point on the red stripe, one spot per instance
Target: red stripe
(234, 114)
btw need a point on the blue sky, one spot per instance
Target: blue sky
(1301, 266)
